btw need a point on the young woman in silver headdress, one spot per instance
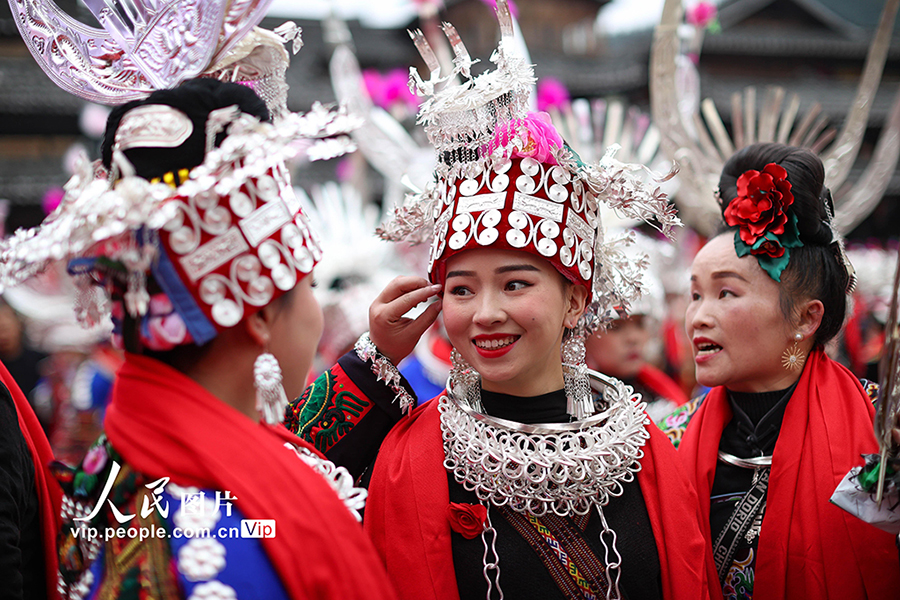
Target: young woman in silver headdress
(195, 490)
(783, 423)
(512, 482)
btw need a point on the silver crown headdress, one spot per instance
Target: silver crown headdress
(462, 121)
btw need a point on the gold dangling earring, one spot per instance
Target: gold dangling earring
(794, 357)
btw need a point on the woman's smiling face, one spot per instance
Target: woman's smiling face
(505, 312)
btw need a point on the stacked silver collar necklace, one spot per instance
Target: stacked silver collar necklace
(564, 469)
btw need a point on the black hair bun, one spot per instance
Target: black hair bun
(196, 98)
(806, 175)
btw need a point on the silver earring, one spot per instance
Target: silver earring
(465, 378)
(794, 357)
(271, 400)
(579, 400)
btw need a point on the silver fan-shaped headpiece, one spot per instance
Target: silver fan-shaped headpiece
(146, 45)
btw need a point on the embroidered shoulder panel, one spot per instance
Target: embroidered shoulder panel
(676, 423)
(328, 410)
(873, 391)
(104, 501)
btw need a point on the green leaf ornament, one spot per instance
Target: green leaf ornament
(773, 266)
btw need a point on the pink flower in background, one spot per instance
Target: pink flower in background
(396, 89)
(537, 134)
(374, 86)
(551, 93)
(344, 170)
(51, 200)
(390, 89)
(701, 15)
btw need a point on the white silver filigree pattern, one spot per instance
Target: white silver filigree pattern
(270, 397)
(564, 469)
(561, 223)
(196, 515)
(213, 590)
(579, 400)
(154, 125)
(144, 45)
(339, 478)
(201, 559)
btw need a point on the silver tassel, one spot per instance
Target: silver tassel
(579, 400)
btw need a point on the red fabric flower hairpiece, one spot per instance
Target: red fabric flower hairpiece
(468, 520)
(761, 202)
(765, 228)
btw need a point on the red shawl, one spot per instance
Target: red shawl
(808, 548)
(48, 491)
(406, 513)
(166, 425)
(661, 384)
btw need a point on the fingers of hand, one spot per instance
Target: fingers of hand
(403, 304)
(424, 320)
(401, 285)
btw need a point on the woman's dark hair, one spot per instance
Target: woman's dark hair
(196, 98)
(815, 270)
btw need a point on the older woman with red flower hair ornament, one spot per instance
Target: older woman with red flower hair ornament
(783, 423)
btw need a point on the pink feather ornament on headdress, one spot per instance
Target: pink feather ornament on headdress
(531, 137)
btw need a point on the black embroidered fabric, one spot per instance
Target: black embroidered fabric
(752, 431)
(21, 541)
